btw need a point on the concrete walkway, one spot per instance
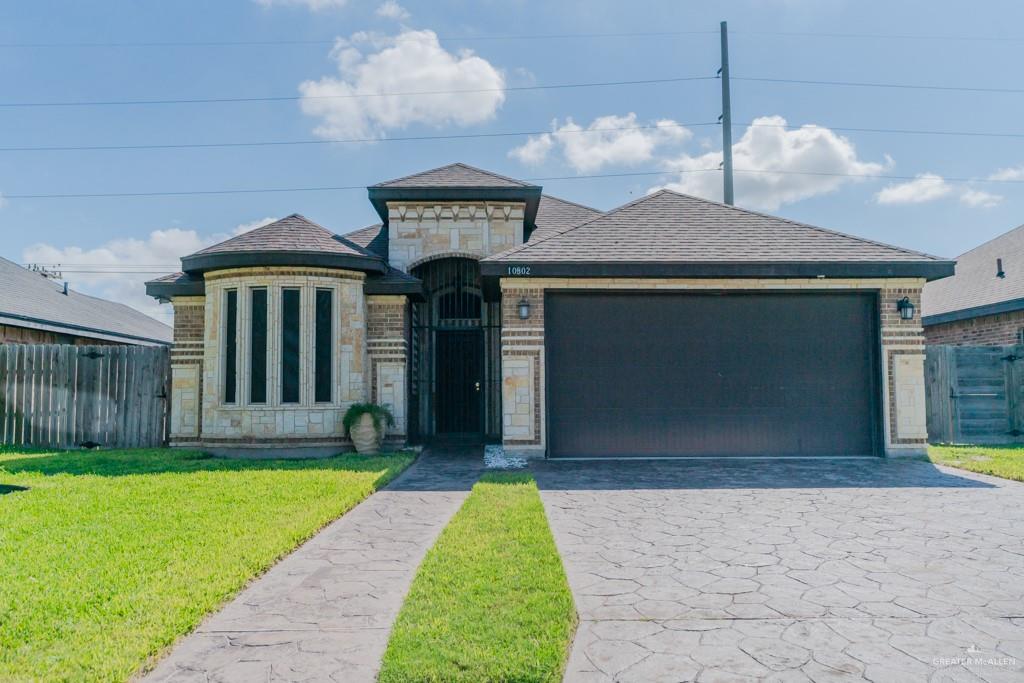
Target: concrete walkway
(325, 612)
(789, 571)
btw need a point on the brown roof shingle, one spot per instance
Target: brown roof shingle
(294, 233)
(556, 215)
(451, 176)
(669, 227)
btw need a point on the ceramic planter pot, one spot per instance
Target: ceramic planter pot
(365, 436)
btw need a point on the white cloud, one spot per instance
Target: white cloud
(1014, 173)
(980, 198)
(607, 141)
(789, 165)
(925, 187)
(389, 9)
(314, 5)
(158, 253)
(929, 187)
(535, 150)
(413, 61)
(3, 202)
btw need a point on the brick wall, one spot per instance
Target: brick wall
(522, 352)
(387, 346)
(522, 371)
(187, 370)
(987, 330)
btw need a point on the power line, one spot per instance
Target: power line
(629, 174)
(883, 36)
(521, 88)
(503, 38)
(504, 134)
(272, 143)
(866, 84)
(332, 41)
(348, 96)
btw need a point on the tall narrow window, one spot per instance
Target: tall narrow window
(230, 345)
(322, 349)
(290, 335)
(258, 347)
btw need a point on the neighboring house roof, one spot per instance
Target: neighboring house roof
(293, 240)
(453, 175)
(976, 289)
(667, 233)
(27, 299)
(556, 215)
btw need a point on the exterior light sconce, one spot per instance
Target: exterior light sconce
(906, 308)
(524, 308)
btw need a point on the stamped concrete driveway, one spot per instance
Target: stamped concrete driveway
(789, 570)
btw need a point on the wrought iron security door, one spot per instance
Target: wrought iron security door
(456, 359)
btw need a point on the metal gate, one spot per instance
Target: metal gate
(455, 388)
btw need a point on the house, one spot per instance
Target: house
(481, 309)
(983, 303)
(37, 310)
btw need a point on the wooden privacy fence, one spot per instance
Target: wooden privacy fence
(975, 394)
(54, 395)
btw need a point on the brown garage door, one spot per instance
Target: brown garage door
(718, 374)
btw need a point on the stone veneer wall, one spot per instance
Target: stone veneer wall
(417, 232)
(273, 422)
(1001, 329)
(387, 345)
(522, 355)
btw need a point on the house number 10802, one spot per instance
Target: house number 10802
(519, 270)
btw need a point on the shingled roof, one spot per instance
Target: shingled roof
(671, 229)
(28, 299)
(293, 240)
(556, 215)
(453, 175)
(976, 288)
(372, 238)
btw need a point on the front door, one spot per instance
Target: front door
(459, 373)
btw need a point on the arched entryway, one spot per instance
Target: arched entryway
(456, 361)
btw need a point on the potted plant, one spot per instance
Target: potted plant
(366, 424)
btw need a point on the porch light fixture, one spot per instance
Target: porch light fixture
(906, 308)
(524, 308)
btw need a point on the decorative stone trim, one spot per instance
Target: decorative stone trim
(418, 232)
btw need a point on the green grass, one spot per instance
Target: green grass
(109, 556)
(490, 601)
(1000, 461)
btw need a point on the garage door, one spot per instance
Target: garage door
(718, 374)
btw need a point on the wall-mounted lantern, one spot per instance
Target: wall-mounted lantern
(906, 308)
(524, 308)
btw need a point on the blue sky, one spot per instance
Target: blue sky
(464, 45)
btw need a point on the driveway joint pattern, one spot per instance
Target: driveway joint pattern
(789, 571)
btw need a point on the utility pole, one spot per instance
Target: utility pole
(726, 119)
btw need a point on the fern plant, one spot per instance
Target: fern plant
(381, 416)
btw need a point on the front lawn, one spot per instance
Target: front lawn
(490, 601)
(110, 556)
(1000, 461)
